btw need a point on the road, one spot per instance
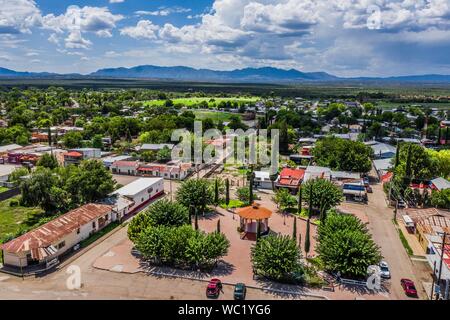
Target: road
(386, 236)
(99, 284)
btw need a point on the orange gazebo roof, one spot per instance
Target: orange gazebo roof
(255, 212)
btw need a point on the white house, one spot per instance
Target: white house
(141, 192)
(262, 180)
(49, 241)
(125, 167)
(108, 161)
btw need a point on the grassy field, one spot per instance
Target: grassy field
(216, 116)
(189, 102)
(12, 217)
(392, 105)
(3, 189)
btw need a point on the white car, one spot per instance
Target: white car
(384, 270)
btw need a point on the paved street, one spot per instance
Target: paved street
(386, 236)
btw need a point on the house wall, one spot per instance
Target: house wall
(131, 170)
(70, 240)
(144, 195)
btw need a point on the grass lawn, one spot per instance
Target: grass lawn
(12, 218)
(215, 115)
(234, 203)
(188, 102)
(3, 189)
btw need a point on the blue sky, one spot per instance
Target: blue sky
(345, 38)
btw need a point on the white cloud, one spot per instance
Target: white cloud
(18, 16)
(76, 21)
(163, 11)
(144, 29)
(116, 1)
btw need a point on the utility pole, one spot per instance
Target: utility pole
(432, 283)
(442, 259)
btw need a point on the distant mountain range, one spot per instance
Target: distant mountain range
(247, 75)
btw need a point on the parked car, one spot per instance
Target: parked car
(401, 204)
(409, 287)
(213, 289)
(384, 270)
(240, 291)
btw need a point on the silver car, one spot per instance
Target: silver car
(384, 270)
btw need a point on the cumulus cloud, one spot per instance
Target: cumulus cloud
(116, 1)
(163, 11)
(18, 16)
(144, 29)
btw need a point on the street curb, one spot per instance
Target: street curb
(232, 284)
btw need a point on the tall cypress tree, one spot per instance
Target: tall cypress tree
(439, 136)
(397, 155)
(227, 192)
(218, 226)
(294, 229)
(252, 174)
(216, 192)
(300, 199)
(307, 236)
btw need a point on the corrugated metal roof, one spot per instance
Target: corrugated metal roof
(49, 233)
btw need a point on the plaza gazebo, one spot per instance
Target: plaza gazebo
(250, 217)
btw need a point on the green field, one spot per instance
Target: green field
(215, 115)
(392, 105)
(13, 217)
(189, 102)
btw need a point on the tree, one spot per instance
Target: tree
(164, 154)
(325, 194)
(277, 258)
(167, 213)
(441, 199)
(92, 181)
(97, 141)
(294, 229)
(250, 187)
(16, 176)
(47, 161)
(73, 139)
(195, 192)
(284, 199)
(308, 222)
(216, 192)
(441, 161)
(300, 199)
(397, 155)
(227, 192)
(343, 155)
(345, 245)
(243, 195)
(138, 224)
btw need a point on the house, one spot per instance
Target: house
(8, 148)
(440, 184)
(382, 166)
(154, 147)
(141, 192)
(344, 175)
(49, 241)
(382, 150)
(171, 170)
(125, 167)
(436, 250)
(75, 156)
(108, 161)
(290, 179)
(314, 172)
(262, 180)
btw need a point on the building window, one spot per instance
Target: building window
(78, 231)
(93, 225)
(61, 245)
(106, 217)
(142, 200)
(150, 190)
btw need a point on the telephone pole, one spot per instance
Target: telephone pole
(440, 264)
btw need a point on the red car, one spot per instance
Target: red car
(213, 289)
(409, 287)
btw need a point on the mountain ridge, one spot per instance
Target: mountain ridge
(258, 75)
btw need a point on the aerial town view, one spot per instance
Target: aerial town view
(168, 150)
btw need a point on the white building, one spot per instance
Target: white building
(49, 241)
(262, 180)
(141, 192)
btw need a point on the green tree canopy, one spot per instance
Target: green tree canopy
(277, 257)
(345, 245)
(325, 194)
(342, 154)
(198, 193)
(48, 161)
